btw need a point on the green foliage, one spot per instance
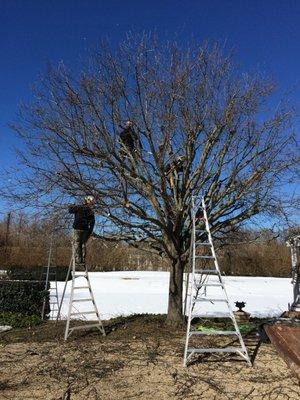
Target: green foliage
(18, 320)
(211, 325)
(246, 328)
(25, 297)
(34, 273)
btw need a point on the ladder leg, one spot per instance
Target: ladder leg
(55, 295)
(71, 299)
(64, 290)
(101, 328)
(47, 274)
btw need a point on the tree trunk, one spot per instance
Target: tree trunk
(175, 317)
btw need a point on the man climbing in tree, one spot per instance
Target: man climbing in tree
(130, 140)
(83, 225)
(174, 168)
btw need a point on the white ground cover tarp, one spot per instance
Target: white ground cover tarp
(139, 292)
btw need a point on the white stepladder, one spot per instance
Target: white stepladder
(77, 290)
(50, 277)
(201, 279)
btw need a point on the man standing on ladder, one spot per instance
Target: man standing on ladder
(83, 225)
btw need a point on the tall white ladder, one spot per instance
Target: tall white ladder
(202, 278)
(77, 290)
(49, 275)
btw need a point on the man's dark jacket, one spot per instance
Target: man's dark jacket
(130, 139)
(84, 218)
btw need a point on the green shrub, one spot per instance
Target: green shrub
(25, 297)
(18, 320)
(35, 273)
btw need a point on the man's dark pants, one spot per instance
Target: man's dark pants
(79, 240)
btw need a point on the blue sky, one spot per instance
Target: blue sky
(265, 35)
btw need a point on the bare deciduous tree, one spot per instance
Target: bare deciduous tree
(203, 128)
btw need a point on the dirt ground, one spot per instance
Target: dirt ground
(138, 359)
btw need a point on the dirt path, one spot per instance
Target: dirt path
(139, 359)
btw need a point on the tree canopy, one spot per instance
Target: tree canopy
(203, 127)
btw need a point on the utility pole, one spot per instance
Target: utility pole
(7, 236)
(7, 232)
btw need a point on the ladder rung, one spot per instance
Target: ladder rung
(81, 276)
(79, 300)
(217, 350)
(207, 271)
(81, 287)
(211, 300)
(203, 244)
(211, 284)
(200, 231)
(208, 257)
(84, 312)
(87, 327)
(213, 315)
(214, 333)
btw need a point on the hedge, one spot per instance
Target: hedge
(18, 320)
(25, 297)
(35, 273)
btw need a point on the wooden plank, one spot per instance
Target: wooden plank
(286, 340)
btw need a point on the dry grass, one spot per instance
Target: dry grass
(139, 359)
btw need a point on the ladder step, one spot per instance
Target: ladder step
(217, 350)
(207, 257)
(84, 312)
(213, 315)
(207, 271)
(80, 276)
(211, 300)
(202, 244)
(79, 300)
(81, 287)
(200, 231)
(213, 284)
(87, 326)
(213, 333)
